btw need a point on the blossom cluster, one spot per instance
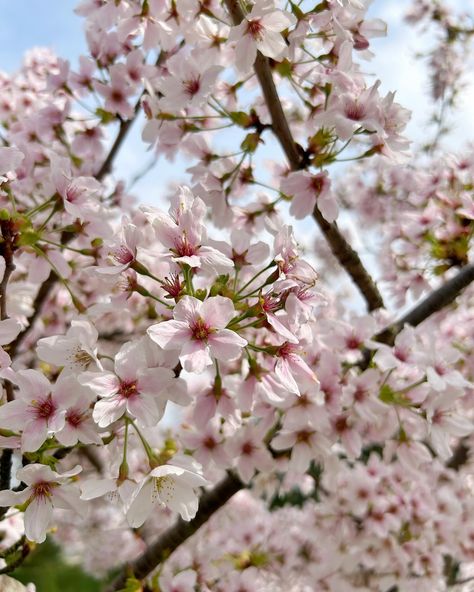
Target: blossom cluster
(147, 352)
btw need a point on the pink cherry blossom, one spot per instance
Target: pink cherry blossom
(37, 411)
(261, 31)
(45, 490)
(184, 234)
(170, 485)
(307, 191)
(133, 388)
(75, 351)
(199, 332)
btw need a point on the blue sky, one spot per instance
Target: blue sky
(28, 23)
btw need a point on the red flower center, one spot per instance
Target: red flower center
(247, 448)
(255, 29)
(353, 342)
(355, 111)
(192, 87)
(117, 96)
(42, 489)
(172, 285)
(184, 249)
(128, 389)
(74, 417)
(201, 330)
(44, 408)
(123, 255)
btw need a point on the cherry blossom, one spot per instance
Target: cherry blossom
(37, 411)
(132, 388)
(316, 379)
(171, 485)
(199, 332)
(75, 351)
(45, 490)
(261, 31)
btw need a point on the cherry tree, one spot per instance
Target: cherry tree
(222, 394)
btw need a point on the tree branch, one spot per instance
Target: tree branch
(341, 249)
(434, 302)
(121, 135)
(172, 538)
(7, 250)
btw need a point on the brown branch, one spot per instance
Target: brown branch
(341, 249)
(8, 246)
(41, 296)
(172, 538)
(121, 135)
(459, 457)
(434, 302)
(7, 253)
(126, 125)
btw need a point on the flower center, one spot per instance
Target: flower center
(287, 349)
(117, 96)
(255, 29)
(201, 330)
(341, 424)
(304, 436)
(184, 248)
(317, 183)
(80, 357)
(247, 448)
(163, 489)
(352, 342)
(74, 417)
(122, 255)
(400, 355)
(73, 193)
(42, 489)
(192, 87)
(172, 285)
(269, 303)
(128, 389)
(360, 394)
(44, 408)
(209, 443)
(355, 111)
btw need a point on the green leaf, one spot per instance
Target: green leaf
(132, 585)
(296, 10)
(241, 118)
(284, 69)
(390, 397)
(105, 116)
(29, 238)
(251, 142)
(320, 7)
